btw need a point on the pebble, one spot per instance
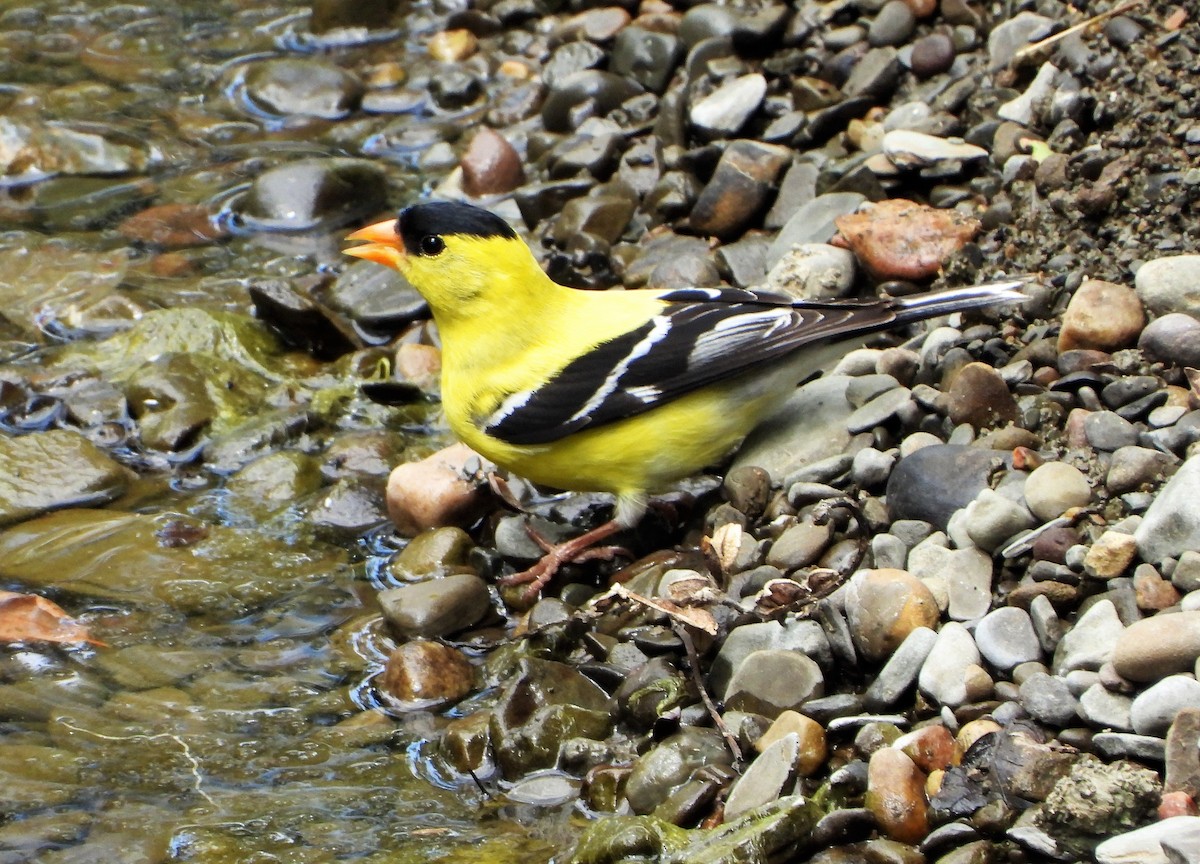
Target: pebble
(813, 222)
(739, 188)
(991, 519)
(1006, 638)
(1132, 468)
(1153, 648)
(896, 795)
(1107, 430)
(427, 672)
(441, 489)
(892, 25)
(900, 672)
(806, 637)
(436, 607)
(1173, 339)
(772, 681)
(1090, 643)
(812, 271)
(771, 773)
(1110, 555)
(1156, 707)
(1054, 488)
(1170, 284)
(964, 576)
(810, 736)
(1103, 316)
(934, 482)
(724, 111)
(1148, 845)
(879, 410)
(931, 55)
(1183, 753)
(944, 676)
(1123, 745)
(799, 545)
(979, 396)
(1171, 525)
(1049, 700)
(491, 166)
(883, 607)
(1105, 709)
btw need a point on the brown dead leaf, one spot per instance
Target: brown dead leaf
(30, 618)
(692, 616)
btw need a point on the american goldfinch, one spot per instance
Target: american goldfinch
(614, 391)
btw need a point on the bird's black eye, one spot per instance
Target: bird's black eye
(431, 244)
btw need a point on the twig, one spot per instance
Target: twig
(187, 753)
(1034, 48)
(694, 663)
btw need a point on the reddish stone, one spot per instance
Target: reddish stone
(491, 166)
(900, 239)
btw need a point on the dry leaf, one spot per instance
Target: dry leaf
(29, 618)
(696, 617)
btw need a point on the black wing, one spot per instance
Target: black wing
(700, 337)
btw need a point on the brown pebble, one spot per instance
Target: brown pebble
(980, 397)
(1110, 555)
(932, 54)
(1103, 316)
(896, 796)
(172, 226)
(442, 489)
(1177, 804)
(491, 166)
(901, 239)
(921, 8)
(810, 736)
(419, 364)
(1183, 753)
(973, 731)
(1153, 592)
(930, 747)
(1060, 594)
(422, 671)
(1053, 543)
(884, 606)
(452, 46)
(1153, 648)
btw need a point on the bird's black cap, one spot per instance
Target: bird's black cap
(441, 218)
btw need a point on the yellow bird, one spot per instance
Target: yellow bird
(624, 392)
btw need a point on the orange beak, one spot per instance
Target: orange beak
(382, 246)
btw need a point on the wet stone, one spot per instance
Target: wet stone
(311, 193)
(771, 681)
(436, 607)
(892, 25)
(739, 187)
(771, 773)
(724, 111)
(45, 471)
(646, 57)
(810, 736)
(896, 796)
(426, 672)
(879, 410)
(544, 704)
(1123, 745)
(900, 672)
(491, 166)
(670, 764)
(306, 87)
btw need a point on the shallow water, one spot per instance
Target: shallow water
(228, 717)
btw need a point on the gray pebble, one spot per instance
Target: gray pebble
(1006, 638)
(1171, 526)
(992, 519)
(1104, 709)
(1106, 430)
(1089, 644)
(901, 670)
(1049, 700)
(1170, 284)
(872, 467)
(1155, 708)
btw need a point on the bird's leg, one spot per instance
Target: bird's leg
(581, 548)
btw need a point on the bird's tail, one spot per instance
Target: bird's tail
(922, 306)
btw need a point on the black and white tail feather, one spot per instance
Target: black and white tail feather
(702, 337)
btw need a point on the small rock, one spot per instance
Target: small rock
(896, 796)
(442, 489)
(1170, 284)
(1153, 648)
(1183, 753)
(810, 736)
(491, 166)
(936, 481)
(436, 607)
(1105, 709)
(1155, 708)
(739, 188)
(883, 607)
(427, 672)
(944, 674)
(772, 681)
(991, 519)
(1049, 700)
(769, 775)
(1174, 339)
(1006, 638)
(724, 111)
(1090, 643)
(1131, 468)
(1150, 844)
(1171, 525)
(1054, 488)
(899, 239)
(901, 670)
(1110, 555)
(813, 271)
(979, 396)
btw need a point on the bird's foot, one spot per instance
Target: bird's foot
(577, 549)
